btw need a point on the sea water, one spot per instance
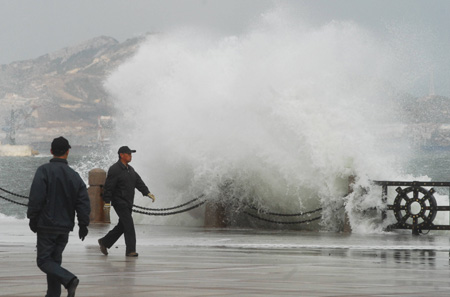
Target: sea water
(17, 173)
(279, 117)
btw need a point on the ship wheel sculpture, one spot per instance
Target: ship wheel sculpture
(416, 211)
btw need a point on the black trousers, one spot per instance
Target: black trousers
(50, 248)
(125, 227)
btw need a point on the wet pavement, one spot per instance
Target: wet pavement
(181, 261)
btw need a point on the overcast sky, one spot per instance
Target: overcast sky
(30, 28)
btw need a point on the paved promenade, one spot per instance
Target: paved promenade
(177, 261)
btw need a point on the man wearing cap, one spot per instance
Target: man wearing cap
(56, 194)
(120, 184)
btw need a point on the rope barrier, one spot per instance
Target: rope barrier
(169, 213)
(169, 208)
(283, 214)
(279, 222)
(15, 202)
(14, 194)
(161, 210)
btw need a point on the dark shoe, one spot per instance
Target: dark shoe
(72, 287)
(103, 248)
(132, 254)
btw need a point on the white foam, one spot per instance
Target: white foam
(279, 116)
(5, 218)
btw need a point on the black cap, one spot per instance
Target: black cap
(125, 150)
(60, 145)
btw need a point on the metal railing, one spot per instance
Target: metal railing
(414, 207)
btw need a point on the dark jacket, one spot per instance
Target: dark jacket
(120, 184)
(57, 192)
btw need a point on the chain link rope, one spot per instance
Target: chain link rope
(169, 208)
(12, 201)
(280, 222)
(284, 214)
(14, 194)
(161, 211)
(169, 213)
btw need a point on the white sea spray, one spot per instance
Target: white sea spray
(279, 117)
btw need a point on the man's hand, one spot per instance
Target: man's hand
(82, 232)
(33, 225)
(151, 196)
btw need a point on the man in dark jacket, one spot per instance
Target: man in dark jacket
(119, 190)
(57, 192)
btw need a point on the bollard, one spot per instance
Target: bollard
(215, 215)
(99, 214)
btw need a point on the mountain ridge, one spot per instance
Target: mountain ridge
(61, 92)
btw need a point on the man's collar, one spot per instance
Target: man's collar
(123, 166)
(59, 160)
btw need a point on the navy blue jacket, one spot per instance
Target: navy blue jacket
(120, 184)
(57, 192)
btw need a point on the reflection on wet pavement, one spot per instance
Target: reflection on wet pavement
(177, 261)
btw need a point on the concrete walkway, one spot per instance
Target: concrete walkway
(177, 261)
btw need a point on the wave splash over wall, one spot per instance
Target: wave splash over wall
(278, 117)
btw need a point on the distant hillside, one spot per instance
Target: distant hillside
(61, 92)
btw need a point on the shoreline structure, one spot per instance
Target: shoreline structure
(9, 150)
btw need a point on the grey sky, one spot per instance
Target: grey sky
(30, 28)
